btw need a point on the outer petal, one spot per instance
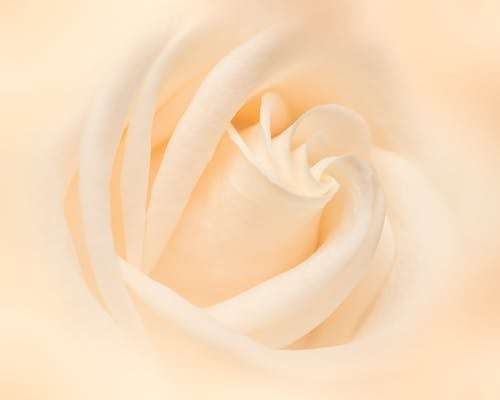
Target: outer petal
(185, 49)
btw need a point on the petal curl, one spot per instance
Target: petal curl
(286, 307)
(99, 143)
(185, 49)
(232, 81)
(238, 229)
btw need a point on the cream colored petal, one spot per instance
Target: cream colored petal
(99, 143)
(239, 229)
(179, 313)
(427, 247)
(322, 132)
(289, 169)
(208, 259)
(342, 325)
(200, 129)
(289, 305)
(305, 180)
(272, 107)
(332, 129)
(184, 56)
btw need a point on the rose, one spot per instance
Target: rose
(250, 174)
(183, 317)
(261, 178)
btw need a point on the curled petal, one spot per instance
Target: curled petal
(284, 308)
(322, 132)
(194, 141)
(100, 139)
(240, 227)
(184, 49)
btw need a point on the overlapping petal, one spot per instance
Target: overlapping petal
(270, 230)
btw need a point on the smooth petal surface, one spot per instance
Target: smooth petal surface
(238, 230)
(184, 49)
(195, 138)
(100, 141)
(421, 318)
(275, 311)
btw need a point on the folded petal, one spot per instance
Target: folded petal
(194, 141)
(284, 308)
(168, 74)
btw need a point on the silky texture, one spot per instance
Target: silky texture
(240, 212)
(347, 238)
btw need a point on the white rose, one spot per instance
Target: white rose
(234, 206)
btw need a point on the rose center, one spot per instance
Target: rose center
(257, 209)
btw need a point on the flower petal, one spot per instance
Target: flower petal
(200, 129)
(284, 308)
(238, 229)
(99, 143)
(185, 49)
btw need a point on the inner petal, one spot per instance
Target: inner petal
(256, 211)
(241, 227)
